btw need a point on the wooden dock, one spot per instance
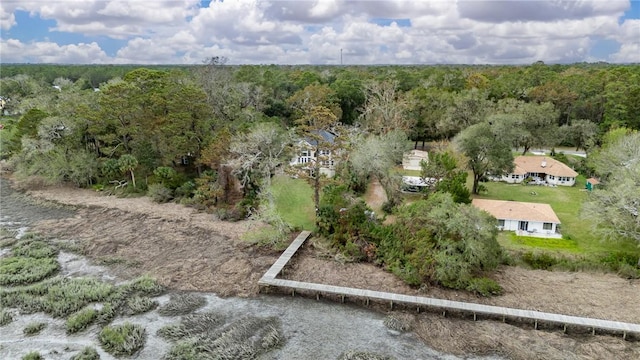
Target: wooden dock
(270, 279)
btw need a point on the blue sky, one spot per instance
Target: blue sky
(314, 32)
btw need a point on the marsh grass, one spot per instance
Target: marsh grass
(58, 297)
(396, 322)
(88, 353)
(34, 249)
(192, 325)
(182, 304)
(33, 355)
(80, 320)
(200, 337)
(32, 260)
(362, 355)
(18, 270)
(125, 339)
(146, 286)
(139, 305)
(34, 328)
(5, 317)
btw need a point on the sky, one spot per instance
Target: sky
(319, 32)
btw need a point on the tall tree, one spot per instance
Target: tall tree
(377, 156)
(384, 109)
(468, 108)
(614, 209)
(443, 167)
(487, 154)
(256, 154)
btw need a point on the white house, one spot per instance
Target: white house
(527, 219)
(307, 153)
(541, 170)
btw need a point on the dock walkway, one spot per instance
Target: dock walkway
(270, 279)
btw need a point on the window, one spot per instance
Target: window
(547, 226)
(501, 222)
(513, 176)
(304, 153)
(551, 177)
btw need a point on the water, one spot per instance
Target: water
(313, 329)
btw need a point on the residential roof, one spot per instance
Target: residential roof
(593, 181)
(541, 164)
(326, 136)
(515, 210)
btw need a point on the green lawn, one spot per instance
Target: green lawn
(567, 203)
(294, 201)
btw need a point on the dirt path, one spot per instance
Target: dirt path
(188, 250)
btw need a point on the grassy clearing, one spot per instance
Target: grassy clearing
(566, 202)
(125, 339)
(294, 201)
(182, 304)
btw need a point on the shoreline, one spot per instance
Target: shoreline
(167, 241)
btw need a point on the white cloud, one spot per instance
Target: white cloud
(304, 31)
(49, 52)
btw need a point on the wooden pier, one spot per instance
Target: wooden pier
(270, 279)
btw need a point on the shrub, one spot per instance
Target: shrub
(18, 270)
(88, 353)
(187, 189)
(125, 339)
(159, 193)
(629, 271)
(541, 261)
(34, 328)
(34, 355)
(81, 320)
(484, 287)
(5, 317)
(182, 304)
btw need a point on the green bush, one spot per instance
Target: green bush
(484, 287)
(159, 193)
(5, 317)
(34, 355)
(88, 353)
(18, 270)
(541, 261)
(629, 271)
(81, 320)
(125, 339)
(34, 328)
